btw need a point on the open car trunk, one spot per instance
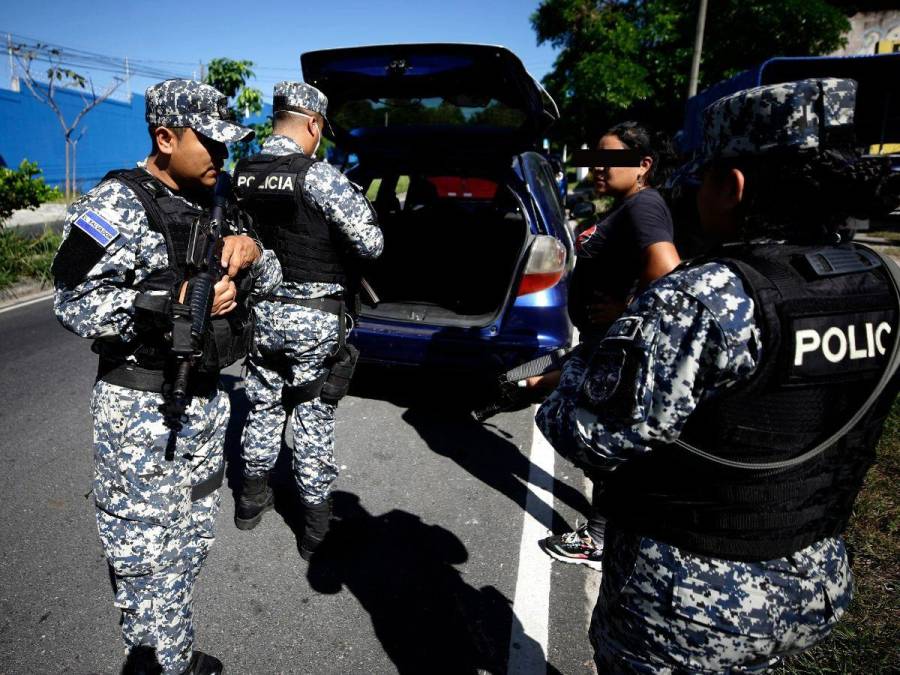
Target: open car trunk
(447, 119)
(451, 256)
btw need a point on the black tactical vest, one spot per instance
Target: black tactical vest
(228, 337)
(828, 318)
(271, 188)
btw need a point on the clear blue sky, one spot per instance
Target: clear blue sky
(271, 34)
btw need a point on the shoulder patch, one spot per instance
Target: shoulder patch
(96, 227)
(625, 328)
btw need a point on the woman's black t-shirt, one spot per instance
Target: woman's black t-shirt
(609, 253)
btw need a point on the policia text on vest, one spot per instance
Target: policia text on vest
(853, 339)
(274, 182)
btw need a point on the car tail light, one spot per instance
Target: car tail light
(545, 266)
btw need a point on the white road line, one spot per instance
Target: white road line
(27, 302)
(531, 607)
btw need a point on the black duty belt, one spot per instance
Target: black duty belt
(206, 487)
(330, 304)
(153, 380)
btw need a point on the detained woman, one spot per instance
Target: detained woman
(617, 258)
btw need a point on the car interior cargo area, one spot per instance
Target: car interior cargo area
(452, 248)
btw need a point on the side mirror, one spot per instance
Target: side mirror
(583, 210)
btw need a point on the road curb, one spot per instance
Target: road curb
(13, 299)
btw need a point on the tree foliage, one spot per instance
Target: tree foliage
(230, 76)
(631, 58)
(23, 188)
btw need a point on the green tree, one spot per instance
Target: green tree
(631, 58)
(355, 114)
(495, 114)
(23, 188)
(230, 76)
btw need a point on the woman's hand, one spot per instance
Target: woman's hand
(546, 382)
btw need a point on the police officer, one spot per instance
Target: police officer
(121, 280)
(732, 404)
(318, 223)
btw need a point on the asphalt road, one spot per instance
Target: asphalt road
(418, 575)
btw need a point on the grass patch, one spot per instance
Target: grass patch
(372, 192)
(867, 640)
(26, 257)
(402, 187)
(888, 235)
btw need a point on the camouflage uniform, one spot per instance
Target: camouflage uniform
(154, 537)
(693, 335)
(292, 342)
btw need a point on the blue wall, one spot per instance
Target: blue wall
(115, 135)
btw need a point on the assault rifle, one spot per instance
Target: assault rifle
(511, 393)
(190, 321)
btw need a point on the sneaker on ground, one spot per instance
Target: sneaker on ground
(574, 547)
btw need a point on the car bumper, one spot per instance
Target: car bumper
(529, 329)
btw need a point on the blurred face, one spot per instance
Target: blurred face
(193, 160)
(619, 181)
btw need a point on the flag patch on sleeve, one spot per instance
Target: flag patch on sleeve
(94, 225)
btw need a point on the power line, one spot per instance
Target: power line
(71, 57)
(77, 58)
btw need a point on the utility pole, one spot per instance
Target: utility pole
(202, 72)
(698, 49)
(127, 80)
(13, 80)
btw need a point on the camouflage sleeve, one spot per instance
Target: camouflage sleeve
(266, 273)
(346, 207)
(266, 270)
(683, 340)
(107, 249)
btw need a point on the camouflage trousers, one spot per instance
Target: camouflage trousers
(154, 536)
(292, 343)
(663, 610)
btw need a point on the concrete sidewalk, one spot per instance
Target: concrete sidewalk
(34, 221)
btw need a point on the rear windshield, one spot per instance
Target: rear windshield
(460, 111)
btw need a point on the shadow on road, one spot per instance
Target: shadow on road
(281, 478)
(401, 570)
(438, 408)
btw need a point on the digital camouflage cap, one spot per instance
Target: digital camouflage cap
(187, 103)
(301, 98)
(789, 117)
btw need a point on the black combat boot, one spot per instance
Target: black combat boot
(142, 661)
(204, 664)
(256, 498)
(315, 527)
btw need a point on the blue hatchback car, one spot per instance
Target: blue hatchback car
(477, 247)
